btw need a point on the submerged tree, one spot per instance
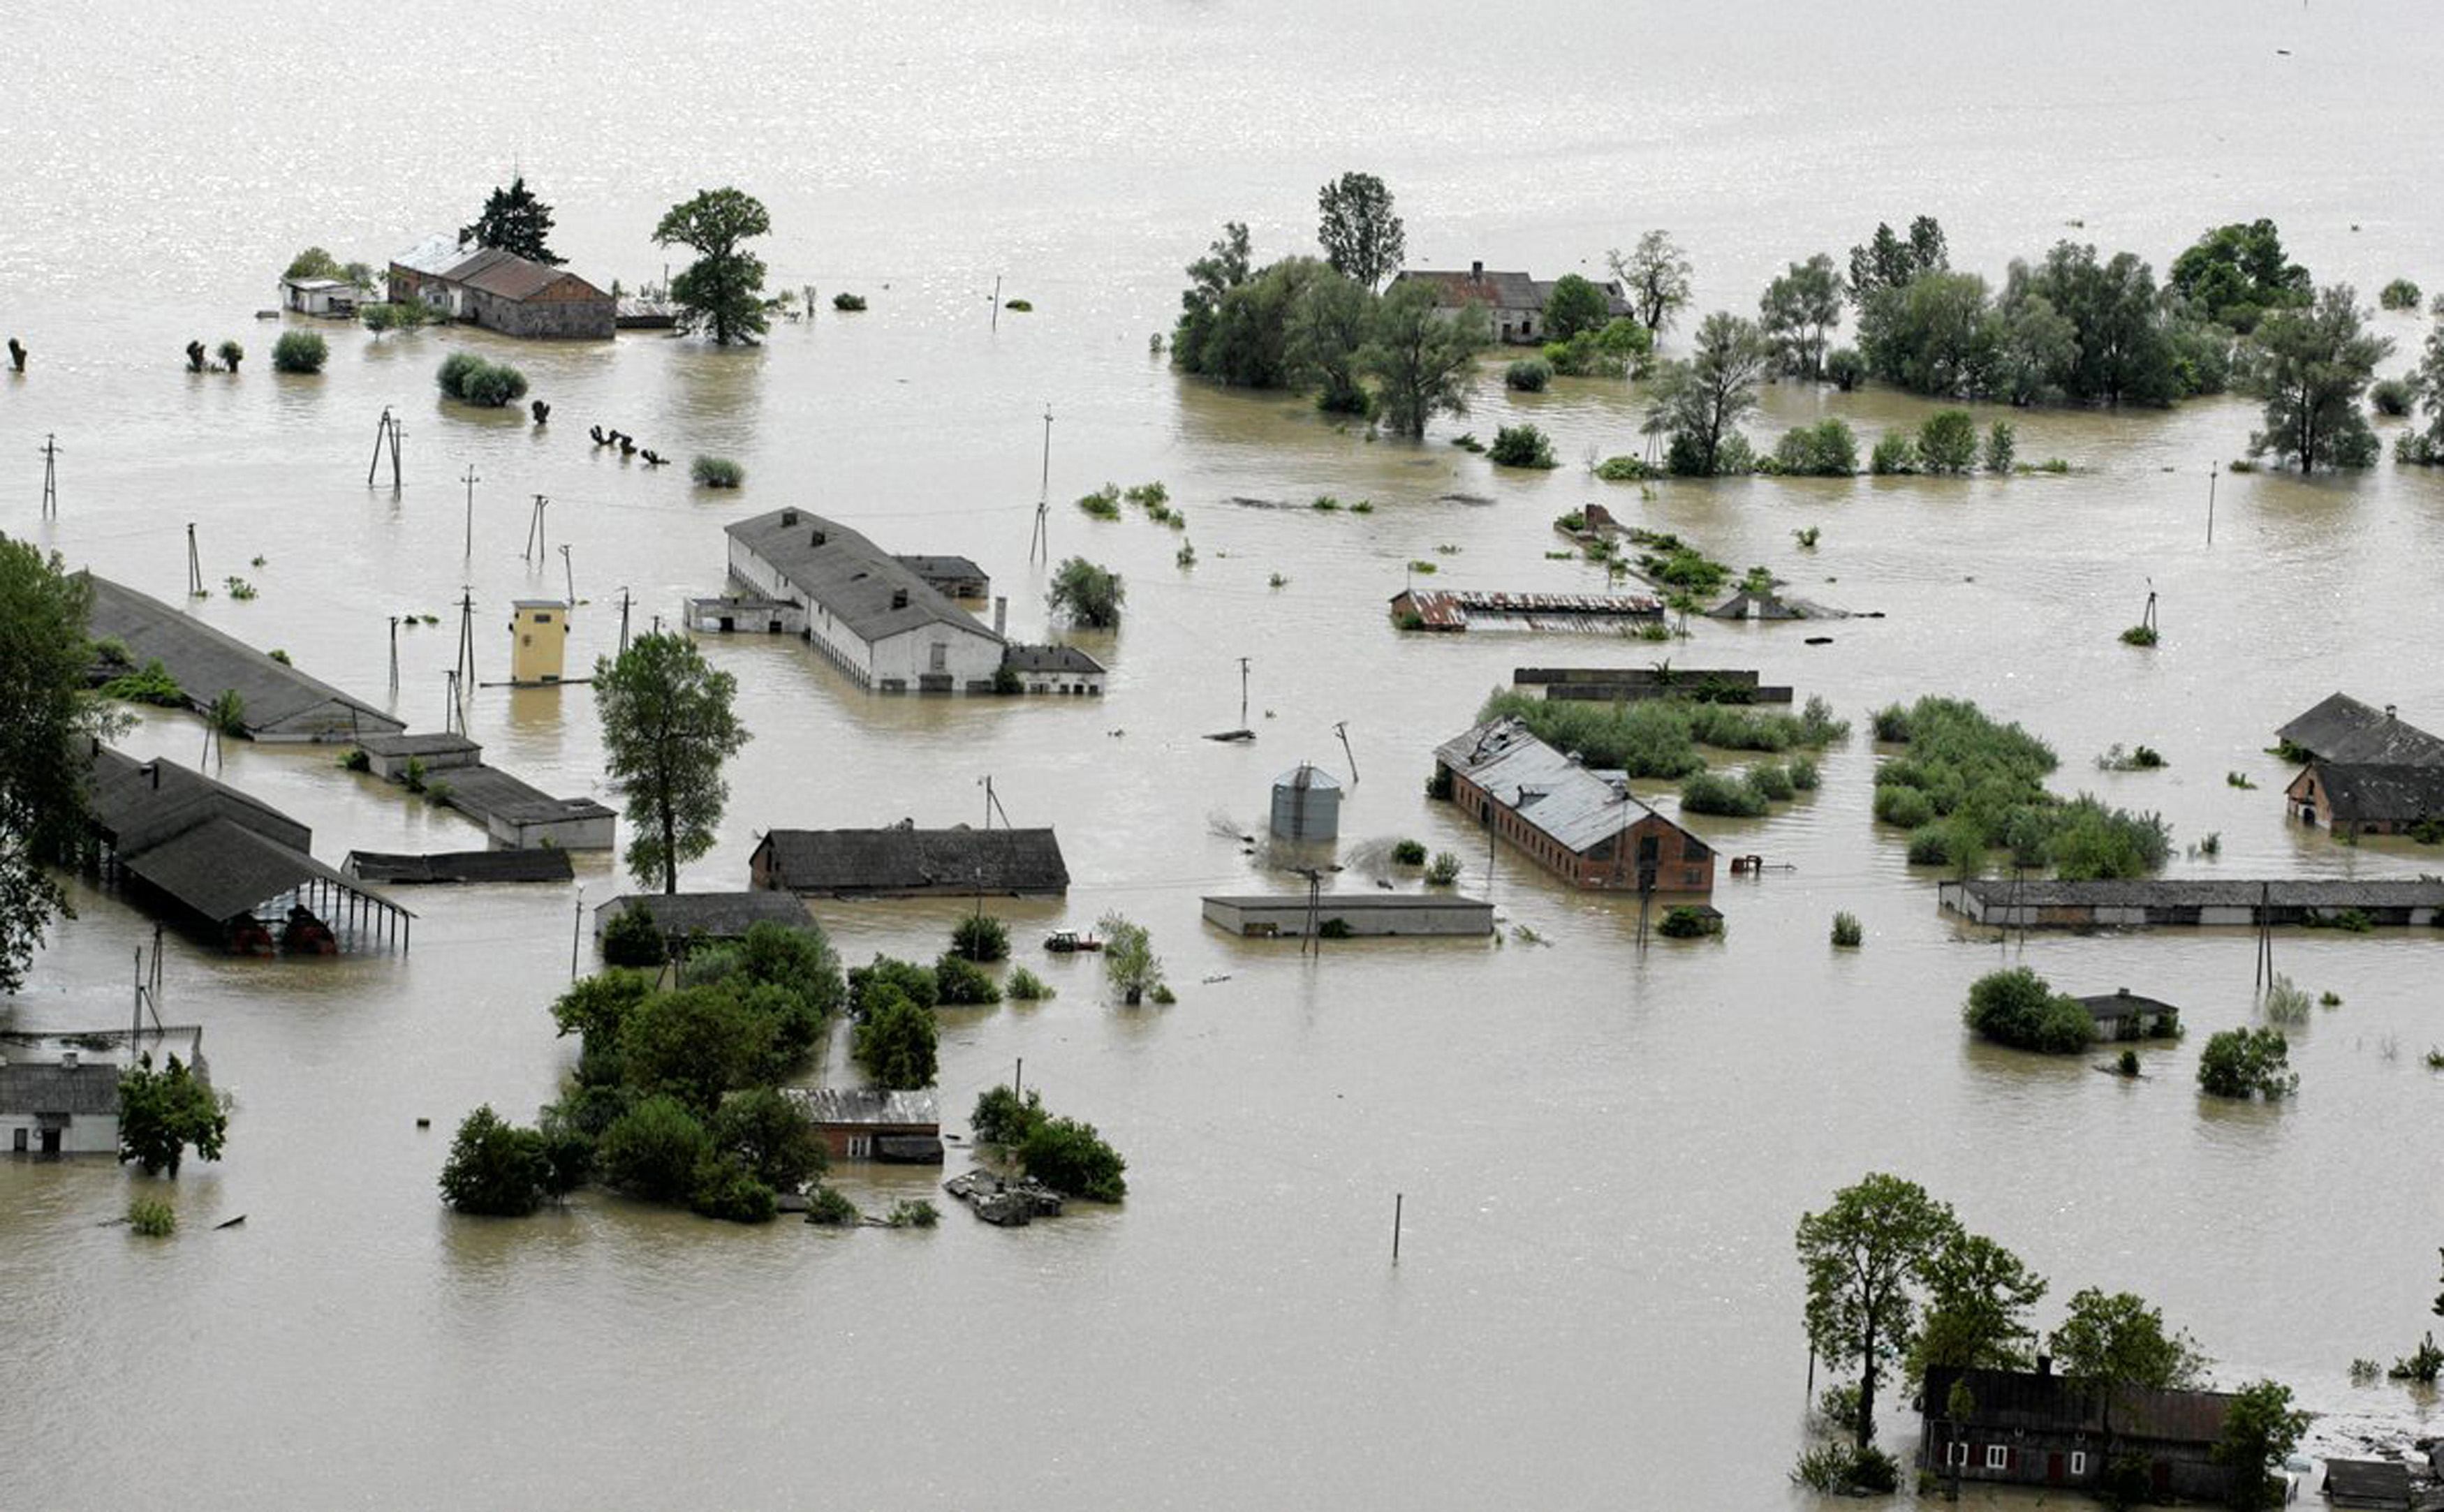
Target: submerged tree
(2311, 365)
(1576, 305)
(1798, 312)
(2236, 273)
(163, 1113)
(1701, 401)
(2260, 1430)
(514, 221)
(722, 291)
(1362, 239)
(1227, 263)
(1656, 274)
(1328, 325)
(1862, 1255)
(2118, 1344)
(667, 729)
(1085, 593)
(1422, 355)
(44, 657)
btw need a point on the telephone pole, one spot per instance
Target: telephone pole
(534, 532)
(394, 654)
(387, 433)
(194, 565)
(1243, 693)
(470, 480)
(1342, 728)
(1042, 539)
(571, 573)
(2210, 488)
(50, 450)
(465, 661)
(623, 621)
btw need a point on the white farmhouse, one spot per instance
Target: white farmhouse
(59, 1092)
(866, 610)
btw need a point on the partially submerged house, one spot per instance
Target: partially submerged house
(502, 291)
(2133, 902)
(2368, 772)
(547, 863)
(448, 768)
(2340, 729)
(59, 1091)
(863, 608)
(905, 861)
(1585, 826)
(866, 1123)
(276, 702)
(1514, 302)
(1272, 915)
(2122, 1014)
(317, 296)
(2383, 1484)
(225, 865)
(1056, 670)
(2035, 1428)
(707, 915)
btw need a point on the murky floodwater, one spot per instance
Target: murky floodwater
(1602, 1151)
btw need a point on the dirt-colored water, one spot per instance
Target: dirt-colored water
(1602, 1151)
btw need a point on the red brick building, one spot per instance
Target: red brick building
(1585, 826)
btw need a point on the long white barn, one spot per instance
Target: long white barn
(866, 610)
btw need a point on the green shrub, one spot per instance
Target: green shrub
(2400, 294)
(916, 1213)
(230, 354)
(1773, 781)
(1828, 449)
(150, 684)
(1845, 367)
(633, 939)
(1803, 772)
(1326, 503)
(470, 379)
(2001, 441)
(1683, 921)
(654, 1148)
(300, 352)
(357, 761)
(716, 472)
(1466, 441)
(1408, 853)
(1623, 469)
(494, 1168)
(828, 1208)
(152, 1217)
(980, 937)
(1002, 1117)
(724, 1188)
(1895, 454)
(1907, 807)
(1847, 931)
(1520, 446)
(898, 1042)
(2139, 635)
(1530, 376)
(2392, 395)
(963, 984)
(1947, 443)
(1444, 870)
(848, 302)
(1071, 1157)
(2017, 1007)
(868, 984)
(1025, 987)
(766, 1133)
(1023, 306)
(1712, 793)
(2242, 1063)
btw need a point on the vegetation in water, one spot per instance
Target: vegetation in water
(980, 937)
(848, 302)
(472, 380)
(1087, 595)
(668, 727)
(1443, 870)
(2140, 758)
(1961, 764)
(1527, 376)
(300, 352)
(715, 472)
(2398, 294)
(152, 1217)
(514, 220)
(1520, 446)
(1065, 1154)
(148, 684)
(1025, 987)
(1847, 931)
(721, 292)
(1685, 921)
(1828, 449)
(2310, 366)
(2243, 1063)
(1408, 853)
(2018, 1009)
(1658, 737)
(164, 1114)
(1129, 962)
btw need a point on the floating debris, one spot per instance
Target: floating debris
(1006, 1202)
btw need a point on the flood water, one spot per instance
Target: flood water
(1602, 1150)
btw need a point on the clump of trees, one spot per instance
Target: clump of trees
(164, 1114)
(721, 292)
(668, 727)
(1085, 593)
(1655, 275)
(980, 937)
(2311, 364)
(2248, 1062)
(300, 352)
(1659, 737)
(472, 380)
(1967, 784)
(498, 1170)
(1129, 962)
(45, 661)
(515, 221)
(2020, 1009)
(1065, 1154)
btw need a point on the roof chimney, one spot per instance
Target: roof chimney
(818, 539)
(2044, 1365)
(2388, 710)
(1476, 272)
(899, 598)
(788, 517)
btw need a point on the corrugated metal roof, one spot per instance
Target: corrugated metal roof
(2365, 792)
(2340, 729)
(435, 254)
(1308, 776)
(1575, 806)
(1330, 903)
(867, 1105)
(544, 864)
(433, 743)
(850, 576)
(279, 699)
(487, 792)
(904, 860)
(2114, 1007)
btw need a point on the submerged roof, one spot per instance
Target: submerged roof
(2112, 1006)
(543, 864)
(137, 805)
(903, 859)
(279, 699)
(867, 1105)
(2183, 892)
(219, 871)
(864, 587)
(1329, 903)
(1049, 658)
(433, 743)
(1578, 808)
(713, 915)
(2366, 791)
(2341, 728)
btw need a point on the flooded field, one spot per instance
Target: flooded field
(1602, 1150)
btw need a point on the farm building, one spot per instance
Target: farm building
(501, 292)
(388, 756)
(2362, 798)
(905, 861)
(1515, 302)
(707, 915)
(1306, 803)
(1585, 826)
(876, 619)
(2125, 1015)
(2381, 1484)
(276, 701)
(2342, 729)
(730, 613)
(543, 864)
(865, 1123)
(450, 771)
(1270, 916)
(317, 296)
(951, 577)
(59, 1092)
(2034, 1427)
(1056, 670)
(227, 864)
(2039, 904)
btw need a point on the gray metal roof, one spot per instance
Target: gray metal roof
(437, 255)
(867, 1105)
(1049, 658)
(486, 792)
(219, 871)
(137, 805)
(934, 568)
(844, 572)
(433, 743)
(713, 915)
(2340, 729)
(2366, 792)
(1351, 902)
(1575, 806)
(2113, 1006)
(544, 864)
(904, 860)
(1309, 776)
(279, 699)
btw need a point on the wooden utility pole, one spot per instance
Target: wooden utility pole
(1243, 693)
(1041, 541)
(393, 653)
(534, 532)
(1341, 730)
(387, 433)
(471, 480)
(1399, 1201)
(577, 932)
(194, 565)
(996, 302)
(571, 573)
(623, 621)
(50, 450)
(1018, 1078)
(466, 662)
(2211, 491)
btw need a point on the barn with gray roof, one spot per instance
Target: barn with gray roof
(904, 861)
(277, 702)
(872, 614)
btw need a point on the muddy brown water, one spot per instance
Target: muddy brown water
(1603, 1150)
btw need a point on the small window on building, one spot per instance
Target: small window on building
(19, 1143)
(1998, 1456)
(1693, 849)
(2079, 1462)
(542, 618)
(1957, 1453)
(941, 658)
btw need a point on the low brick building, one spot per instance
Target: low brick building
(1585, 826)
(866, 1123)
(502, 291)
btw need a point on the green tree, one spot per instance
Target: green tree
(2118, 1344)
(1798, 312)
(1129, 962)
(1085, 594)
(2117, 347)
(722, 291)
(898, 1042)
(1070, 1157)
(667, 729)
(1702, 400)
(494, 1169)
(696, 1044)
(632, 938)
(1003, 1118)
(1886, 262)
(1328, 324)
(163, 1113)
(1576, 305)
(2311, 365)
(514, 221)
(1422, 356)
(1362, 239)
(1935, 335)
(1656, 274)
(2260, 1430)
(2427, 383)
(300, 352)
(1978, 1294)
(771, 1136)
(44, 658)
(2234, 273)
(1862, 1254)
(1251, 342)
(2248, 1062)
(980, 937)
(312, 263)
(1227, 263)
(655, 1150)
(1947, 442)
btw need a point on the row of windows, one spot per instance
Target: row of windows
(1999, 1457)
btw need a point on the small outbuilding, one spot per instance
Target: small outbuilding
(1306, 803)
(317, 296)
(2124, 1014)
(867, 1123)
(861, 607)
(1056, 670)
(2383, 1484)
(387, 756)
(59, 1091)
(951, 577)
(539, 643)
(2367, 798)
(905, 861)
(1278, 915)
(543, 864)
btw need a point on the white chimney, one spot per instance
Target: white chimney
(1001, 615)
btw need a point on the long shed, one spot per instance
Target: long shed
(277, 701)
(1268, 915)
(904, 861)
(2051, 904)
(866, 610)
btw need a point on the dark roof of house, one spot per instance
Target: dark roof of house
(941, 569)
(2341, 728)
(506, 275)
(1578, 808)
(868, 1105)
(487, 792)
(2368, 1482)
(1049, 658)
(26, 1090)
(903, 858)
(219, 871)
(2364, 792)
(850, 576)
(428, 745)
(137, 805)
(2113, 1006)
(1330, 903)
(2034, 1402)
(544, 864)
(279, 699)
(713, 915)
(1453, 289)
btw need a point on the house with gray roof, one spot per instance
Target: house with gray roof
(905, 861)
(59, 1091)
(1583, 825)
(276, 701)
(870, 1123)
(866, 611)
(501, 292)
(2340, 729)
(1515, 302)
(2369, 771)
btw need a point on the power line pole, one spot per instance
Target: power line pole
(465, 661)
(1042, 539)
(393, 653)
(1243, 694)
(2210, 488)
(623, 621)
(996, 302)
(470, 480)
(194, 565)
(387, 433)
(571, 572)
(534, 532)
(1341, 730)
(50, 450)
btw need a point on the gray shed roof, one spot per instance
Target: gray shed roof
(1577, 807)
(1049, 658)
(543, 864)
(937, 568)
(2341, 728)
(903, 859)
(486, 792)
(2367, 1483)
(280, 700)
(2364, 792)
(219, 871)
(434, 743)
(2112, 1007)
(1351, 902)
(137, 805)
(713, 915)
(2033, 1402)
(855, 579)
(2320, 893)
(867, 1105)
